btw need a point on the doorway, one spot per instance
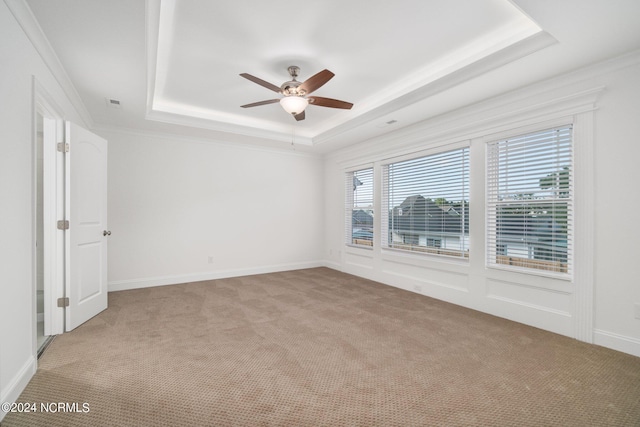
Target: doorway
(48, 205)
(41, 339)
(69, 222)
(45, 205)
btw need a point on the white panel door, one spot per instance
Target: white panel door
(86, 239)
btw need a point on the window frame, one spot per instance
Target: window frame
(350, 207)
(435, 253)
(570, 210)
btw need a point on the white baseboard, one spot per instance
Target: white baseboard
(122, 285)
(617, 342)
(17, 384)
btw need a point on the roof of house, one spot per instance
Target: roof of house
(419, 214)
(362, 218)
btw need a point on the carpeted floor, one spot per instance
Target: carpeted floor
(320, 348)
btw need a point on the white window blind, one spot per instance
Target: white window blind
(359, 207)
(530, 201)
(426, 204)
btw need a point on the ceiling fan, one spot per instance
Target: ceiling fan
(296, 93)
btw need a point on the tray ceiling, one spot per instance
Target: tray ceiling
(174, 65)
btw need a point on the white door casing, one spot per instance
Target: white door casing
(53, 238)
(85, 242)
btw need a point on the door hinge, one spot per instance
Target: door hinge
(63, 302)
(63, 147)
(63, 225)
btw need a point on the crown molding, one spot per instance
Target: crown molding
(168, 136)
(29, 24)
(569, 93)
(536, 103)
(452, 78)
(219, 126)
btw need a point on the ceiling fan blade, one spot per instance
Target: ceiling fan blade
(329, 102)
(255, 104)
(315, 81)
(261, 82)
(299, 116)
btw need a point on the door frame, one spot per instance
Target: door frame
(53, 209)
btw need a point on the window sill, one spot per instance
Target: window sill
(354, 246)
(423, 259)
(565, 277)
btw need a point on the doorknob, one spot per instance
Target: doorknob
(106, 233)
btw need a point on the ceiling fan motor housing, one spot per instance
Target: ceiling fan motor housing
(291, 87)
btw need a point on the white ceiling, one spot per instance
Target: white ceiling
(175, 65)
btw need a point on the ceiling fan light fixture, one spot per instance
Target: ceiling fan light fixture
(294, 104)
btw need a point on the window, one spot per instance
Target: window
(426, 204)
(359, 207)
(530, 201)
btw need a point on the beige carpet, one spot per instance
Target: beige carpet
(320, 348)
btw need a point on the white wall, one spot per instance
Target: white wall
(19, 63)
(599, 304)
(175, 202)
(617, 173)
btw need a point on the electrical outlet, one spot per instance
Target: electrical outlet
(210, 259)
(637, 307)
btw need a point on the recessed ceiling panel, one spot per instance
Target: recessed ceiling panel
(379, 51)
